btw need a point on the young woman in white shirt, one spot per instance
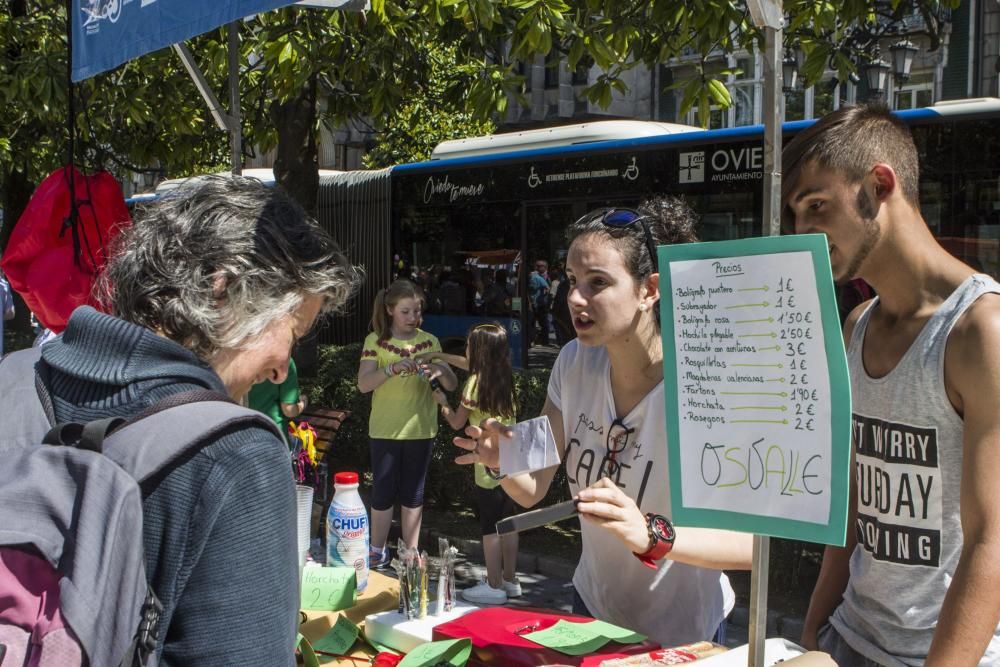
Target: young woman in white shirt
(606, 406)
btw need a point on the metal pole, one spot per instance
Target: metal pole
(235, 127)
(772, 227)
(758, 601)
(222, 119)
(772, 131)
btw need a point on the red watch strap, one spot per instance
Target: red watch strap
(659, 549)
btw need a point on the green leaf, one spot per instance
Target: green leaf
(719, 93)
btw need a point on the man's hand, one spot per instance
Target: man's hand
(604, 504)
(483, 443)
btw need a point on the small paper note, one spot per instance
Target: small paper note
(581, 638)
(308, 656)
(569, 638)
(615, 633)
(531, 448)
(339, 639)
(453, 652)
(328, 588)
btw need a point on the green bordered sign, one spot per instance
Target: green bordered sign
(758, 396)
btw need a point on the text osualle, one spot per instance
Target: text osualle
(753, 391)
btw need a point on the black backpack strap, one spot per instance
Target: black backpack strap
(165, 431)
(91, 435)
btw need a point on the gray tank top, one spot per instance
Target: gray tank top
(908, 442)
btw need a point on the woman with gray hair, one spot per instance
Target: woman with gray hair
(210, 288)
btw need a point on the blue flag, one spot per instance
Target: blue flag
(107, 33)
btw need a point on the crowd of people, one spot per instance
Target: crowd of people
(211, 291)
(473, 289)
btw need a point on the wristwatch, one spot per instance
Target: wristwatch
(661, 539)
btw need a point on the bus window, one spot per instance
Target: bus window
(467, 260)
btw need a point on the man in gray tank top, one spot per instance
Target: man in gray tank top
(919, 579)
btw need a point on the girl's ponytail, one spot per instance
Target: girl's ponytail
(380, 318)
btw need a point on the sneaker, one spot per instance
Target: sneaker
(483, 593)
(378, 558)
(512, 588)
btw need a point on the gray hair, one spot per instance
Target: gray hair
(213, 263)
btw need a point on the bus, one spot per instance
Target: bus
(490, 206)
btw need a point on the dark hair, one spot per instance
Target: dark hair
(388, 298)
(851, 141)
(670, 220)
(489, 361)
(214, 262)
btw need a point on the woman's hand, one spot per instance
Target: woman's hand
(604, 504)
(483, 443)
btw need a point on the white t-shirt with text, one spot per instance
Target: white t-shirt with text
(677, 603)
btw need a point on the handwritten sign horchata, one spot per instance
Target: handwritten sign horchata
(757, 390)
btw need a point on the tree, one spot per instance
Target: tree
(410, 132)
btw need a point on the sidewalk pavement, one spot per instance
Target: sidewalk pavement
(547, 582)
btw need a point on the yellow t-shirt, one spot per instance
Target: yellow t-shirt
(402, 406)
(470, 400)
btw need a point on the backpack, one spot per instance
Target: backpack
(73, 588)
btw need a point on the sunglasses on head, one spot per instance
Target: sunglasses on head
(623, 218)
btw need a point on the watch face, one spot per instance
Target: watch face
(663, 529)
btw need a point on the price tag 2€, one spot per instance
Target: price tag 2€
(328, 588)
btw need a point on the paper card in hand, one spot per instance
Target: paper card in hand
(531, 448)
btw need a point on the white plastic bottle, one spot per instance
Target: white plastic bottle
(347, 528)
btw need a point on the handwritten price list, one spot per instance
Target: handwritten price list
(753, 391)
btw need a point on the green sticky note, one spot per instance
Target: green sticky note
(453, 652)
(615, 633)
(305, 648)
(339, 639)
(328, 588)
(569, 638)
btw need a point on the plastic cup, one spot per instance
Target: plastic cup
(304, 503)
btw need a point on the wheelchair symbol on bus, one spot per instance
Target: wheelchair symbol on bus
(632, 171)
(533, 179)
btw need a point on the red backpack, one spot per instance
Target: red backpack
(52, 256)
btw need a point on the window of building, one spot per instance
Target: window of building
(914, 94)
(581, 75)
(553, 63)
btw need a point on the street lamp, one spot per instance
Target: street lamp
(876, 71)
(902, 60)
(789, 71)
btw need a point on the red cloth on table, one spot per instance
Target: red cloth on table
(495, 641)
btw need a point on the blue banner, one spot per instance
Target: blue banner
(107, 33)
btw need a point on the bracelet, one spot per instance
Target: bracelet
(388, 371)
(494, 475)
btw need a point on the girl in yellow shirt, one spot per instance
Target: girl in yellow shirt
(403, 423)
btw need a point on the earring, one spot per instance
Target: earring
(642, 306)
